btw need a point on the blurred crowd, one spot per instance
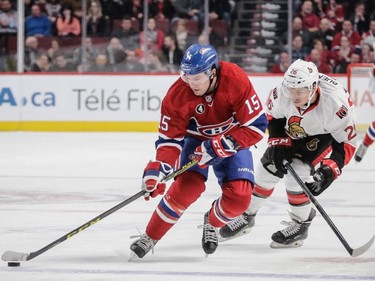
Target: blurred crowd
(330, 33)
(115, 40)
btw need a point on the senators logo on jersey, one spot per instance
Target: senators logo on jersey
(295, 130)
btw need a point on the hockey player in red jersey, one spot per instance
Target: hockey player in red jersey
(213, 114)
(311, 125)
(367, 141)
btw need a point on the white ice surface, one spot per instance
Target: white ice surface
(51, 183)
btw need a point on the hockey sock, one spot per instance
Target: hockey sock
(233, 202)
(183, 192)
(260, 196)
(370, 135)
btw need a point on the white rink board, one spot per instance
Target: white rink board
(126, 98)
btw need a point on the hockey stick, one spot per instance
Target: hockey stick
(17, 256)
(353, 252)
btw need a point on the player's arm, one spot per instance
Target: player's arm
(172, 129)
(251, 117)
(343, 147)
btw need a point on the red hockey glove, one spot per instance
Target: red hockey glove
(212, 151)
(153, 174)
(324, 176)
(278, 150)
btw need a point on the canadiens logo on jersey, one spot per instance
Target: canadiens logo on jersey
(216, 129)
(295, 131)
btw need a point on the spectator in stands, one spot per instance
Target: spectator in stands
(31, 51)
(37, 24)
(84, 57)
(310, 20)
(335, 13)
(342, 55)
(131, 64)
(297, 29)
(161, 9)
(101, 64)
(354, 58)
(115, 9)
(325, 53)
(367, 54)
(358, 18)
(347, 30)
(283, 64)
(298, 50)
(62, 64)
(172, 53)
(41, 64)
(187, 9)
(8, 18)
(156, 62)
(183, 37)
(325, 33)
(217, 10)
(67, 23)
(54, 49)
(53, 8)
(115, 53)
(153, 34)
(315, 57)
(76, 5)
(369, 36)
(128, 36)
(135, 11)
(97, 23)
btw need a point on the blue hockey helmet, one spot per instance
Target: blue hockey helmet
(199, 58)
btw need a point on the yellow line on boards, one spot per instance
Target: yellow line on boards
(45, 126)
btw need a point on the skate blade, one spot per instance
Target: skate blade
(133, 256)
(275, 245)
(242, 233)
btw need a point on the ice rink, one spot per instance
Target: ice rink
(51, 183)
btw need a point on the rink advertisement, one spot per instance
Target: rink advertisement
(106, 103)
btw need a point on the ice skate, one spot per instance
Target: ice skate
(294, 234)
(361, 151)
(239, 226)
(210, 239)
(142, 246)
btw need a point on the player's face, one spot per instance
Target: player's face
(299, 96)
(199, 83)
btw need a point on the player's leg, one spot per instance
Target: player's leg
(301, 210)
(184, 191)
(266, 178)
(235, 175)
(367, 141)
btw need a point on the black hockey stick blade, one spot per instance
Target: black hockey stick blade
(18, 256)
(352, 252)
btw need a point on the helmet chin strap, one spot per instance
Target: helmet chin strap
(311, 95)
(212, 77)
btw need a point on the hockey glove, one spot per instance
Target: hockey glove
(212, 151)
(324, 176)
(154, 172)
(278, 150)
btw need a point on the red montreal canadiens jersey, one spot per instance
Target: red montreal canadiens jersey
(333, 113)
(234, 108)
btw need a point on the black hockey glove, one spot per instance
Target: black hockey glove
(324, 176)
(278, 150)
